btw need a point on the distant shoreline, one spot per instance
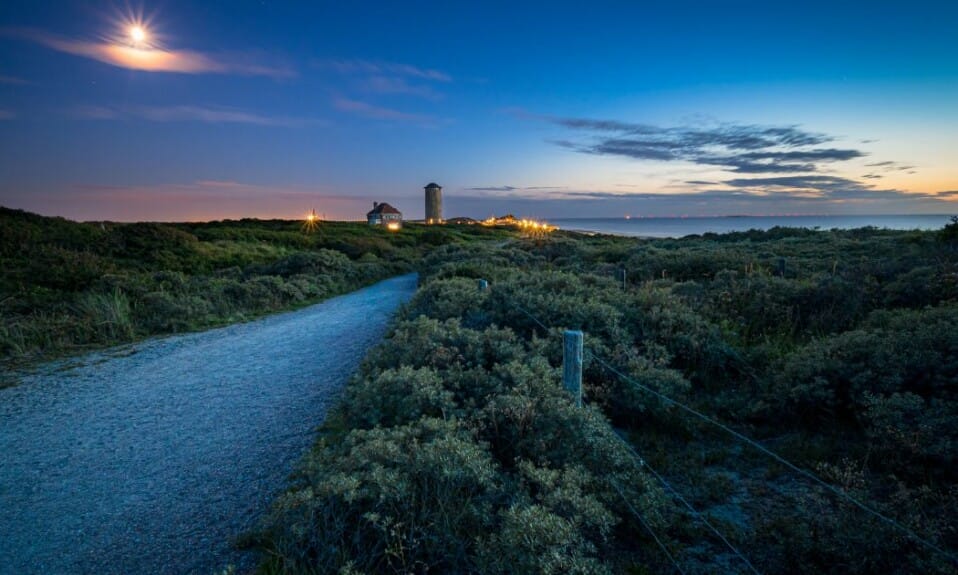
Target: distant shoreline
(676, 227)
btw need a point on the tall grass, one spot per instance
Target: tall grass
(107, 315)
(65, 285)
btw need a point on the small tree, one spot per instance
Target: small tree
(949, 233)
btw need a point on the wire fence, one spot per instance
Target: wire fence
(739, 437)
(647, 527)
(695, 513)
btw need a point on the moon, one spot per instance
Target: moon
(137, 34)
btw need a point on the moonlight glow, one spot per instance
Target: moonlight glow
(137, 34)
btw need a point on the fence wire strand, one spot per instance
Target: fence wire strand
(756, 445)
(807, 474)
(647, 527)
(695, 513)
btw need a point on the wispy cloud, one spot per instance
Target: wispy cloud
(513, 188)
(398, 85)
(13, 81)
(208, 115)
(823, 185)
(370, 67)
(372, 78)
(889, 166)
(7, 115)
(155, 59)
(743, 148)
(372, 111)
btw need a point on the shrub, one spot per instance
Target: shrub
(106, 316)
(411, 498)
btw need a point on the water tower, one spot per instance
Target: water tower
(433, 203)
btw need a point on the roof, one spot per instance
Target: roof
(433, 185)
(383, 208)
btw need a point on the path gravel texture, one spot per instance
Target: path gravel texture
(151, 458)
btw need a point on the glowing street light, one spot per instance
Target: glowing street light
(310, 222)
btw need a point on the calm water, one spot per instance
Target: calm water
(678, 227)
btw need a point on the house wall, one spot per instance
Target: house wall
(381, 219)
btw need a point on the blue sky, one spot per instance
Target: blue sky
(269, 109)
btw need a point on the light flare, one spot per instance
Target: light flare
(137, 34)
(310, 222)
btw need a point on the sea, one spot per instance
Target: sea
(676, 227)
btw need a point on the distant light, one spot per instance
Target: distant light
(137, 34)
(393, 226)
(311, 222)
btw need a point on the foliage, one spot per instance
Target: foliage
(837, 349)
(456, 450)
(65, 285)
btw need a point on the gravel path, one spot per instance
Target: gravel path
(149, 459)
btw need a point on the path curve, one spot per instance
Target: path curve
(151, 462)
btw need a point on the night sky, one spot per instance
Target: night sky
(231, 109)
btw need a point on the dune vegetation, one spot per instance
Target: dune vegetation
(67, 286)
(456, 449)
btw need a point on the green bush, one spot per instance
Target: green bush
(402, 499)
(438, 403)
(66, 284)
(837, 350)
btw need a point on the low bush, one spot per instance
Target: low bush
(456, 450)
(66, 285)
(837, 350)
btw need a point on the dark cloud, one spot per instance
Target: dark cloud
(841, 196)
(822, 187)
(700, 182)
(819, 183)
(493, 189)
(873, 176)
(890, 166)
(789, 162)
(743, 148)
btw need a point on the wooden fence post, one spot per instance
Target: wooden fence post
(483, 285)
(572, 364)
